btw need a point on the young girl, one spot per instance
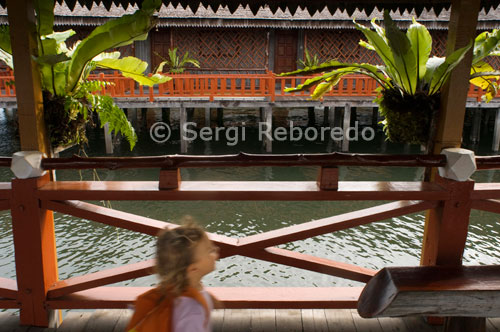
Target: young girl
(179, 303)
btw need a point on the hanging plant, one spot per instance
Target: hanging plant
(68, 96)
(409, 80)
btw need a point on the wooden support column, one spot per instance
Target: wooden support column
(182, 124)
(345, 126)
(476, 126)
(311, 117)
(144, 118)
(461, 31)
(375, 118)
(496, 132)
(165, 115)
(220, 117)
(267, 113)
(108, 139)
(32, 131)
(207, 117)
(35, 252)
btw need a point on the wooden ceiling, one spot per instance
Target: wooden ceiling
(311, 5)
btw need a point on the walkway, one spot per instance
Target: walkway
(243, 320)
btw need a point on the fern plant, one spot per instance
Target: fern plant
(68, 95)
(409, 80)
(175, 63)
(309, 61)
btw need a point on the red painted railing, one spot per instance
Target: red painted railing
(212, 86)
(38, 291)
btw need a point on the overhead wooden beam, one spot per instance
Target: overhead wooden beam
(32, 129)
(461, 31)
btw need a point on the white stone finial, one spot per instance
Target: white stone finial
(27, 164)
(460, 165)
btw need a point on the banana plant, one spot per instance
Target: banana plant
(69, 96)
(175, 63)
(410, 80)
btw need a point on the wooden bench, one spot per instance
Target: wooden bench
(466, 293)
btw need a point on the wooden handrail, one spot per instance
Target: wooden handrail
(226, 85)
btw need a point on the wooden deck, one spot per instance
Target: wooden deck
(243, 320)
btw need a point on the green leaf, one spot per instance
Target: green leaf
(442, 72)
(487, 43)
(59, 37)
(404, 57)
(5, 39)
(431, 66)
(321, 89)
(51, 59)
(114, 33)
(134, 68)
(44, 16)
(421, 45)
(7, 58)
(483, 75)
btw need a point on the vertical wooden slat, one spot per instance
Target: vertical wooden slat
(35, 251)
(32, 131)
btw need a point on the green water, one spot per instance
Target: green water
(84, 246)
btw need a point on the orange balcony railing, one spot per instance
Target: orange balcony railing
(212, 86)
(37, 290)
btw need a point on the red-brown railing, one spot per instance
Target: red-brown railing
(38, 290)
(212, 86)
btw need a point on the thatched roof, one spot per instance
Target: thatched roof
(312, 6)
(242, 17)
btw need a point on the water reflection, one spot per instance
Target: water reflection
(85, 246)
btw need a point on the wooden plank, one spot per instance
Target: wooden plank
(312, 263)
(10, 304)
(8, 288)
(263, 320)
(365, 324)
(35, 248)
(8, 322)
(102, 320)
(288, 320)
(4, 204)
(489, 205)
(486, 191)
(314, 320)
(241, 190)
(5, 190)
(75, 321)
(128, 221)
(124, 316)
(418, 323)
(231, 297)
(339, 320)
(101, 278)
(490, 327)
(217, 317)
(466, 291)
(332, 224)
(495, 322)
(236, 320)
(389, 324)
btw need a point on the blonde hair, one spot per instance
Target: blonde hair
(174, 254)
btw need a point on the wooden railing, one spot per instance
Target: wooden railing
(212, 86)
(38, 290)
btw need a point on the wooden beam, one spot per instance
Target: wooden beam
(8, 288)
(461, 31)
(241, 190)
(35, 251)
(32, 129)
(312, 263)
(332, 224)
(231, 297)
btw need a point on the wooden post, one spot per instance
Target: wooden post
(144, 118)
(268, 119)
(165, 115)
(207, 117)
(326, 116)
(108, 139)
(35, 252)
(182, 123)
(311, 117)
(496, 132)
(375, 118)
(476, 126)
(220, 117)
(32, 131)
(461, 31)
(345, 126)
